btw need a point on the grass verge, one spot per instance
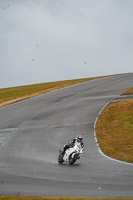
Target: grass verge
(114, 130)
(128, 92)
(14, 94)
(53, 198)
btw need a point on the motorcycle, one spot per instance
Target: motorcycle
(71, 154)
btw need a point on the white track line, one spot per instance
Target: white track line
(99, 149)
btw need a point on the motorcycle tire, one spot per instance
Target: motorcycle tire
(60, 159)
(72, 160)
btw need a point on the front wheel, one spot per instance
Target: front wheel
(72, 160)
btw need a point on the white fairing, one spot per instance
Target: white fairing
(77, 149)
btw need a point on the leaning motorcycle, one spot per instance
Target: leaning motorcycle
(71, 154)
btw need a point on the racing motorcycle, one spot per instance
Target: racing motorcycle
(71, 154)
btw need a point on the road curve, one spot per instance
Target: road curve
(32, 131)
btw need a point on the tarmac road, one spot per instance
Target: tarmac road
(33, 130)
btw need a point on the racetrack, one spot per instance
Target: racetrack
(33, 130)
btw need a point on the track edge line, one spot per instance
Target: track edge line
(98, 146)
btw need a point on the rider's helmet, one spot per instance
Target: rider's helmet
(79, 138)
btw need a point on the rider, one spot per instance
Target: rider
(71, 143)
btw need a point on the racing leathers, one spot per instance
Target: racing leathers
(71, 144)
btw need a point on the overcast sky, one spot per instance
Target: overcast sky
(50, 40)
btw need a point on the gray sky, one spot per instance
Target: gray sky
(50, 40)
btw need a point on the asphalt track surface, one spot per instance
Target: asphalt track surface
(33, 130)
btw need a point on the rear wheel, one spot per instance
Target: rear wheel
(60, 159)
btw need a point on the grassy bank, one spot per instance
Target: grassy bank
(128, 92)
(54, 198)
(114, 130)
(14, 94)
